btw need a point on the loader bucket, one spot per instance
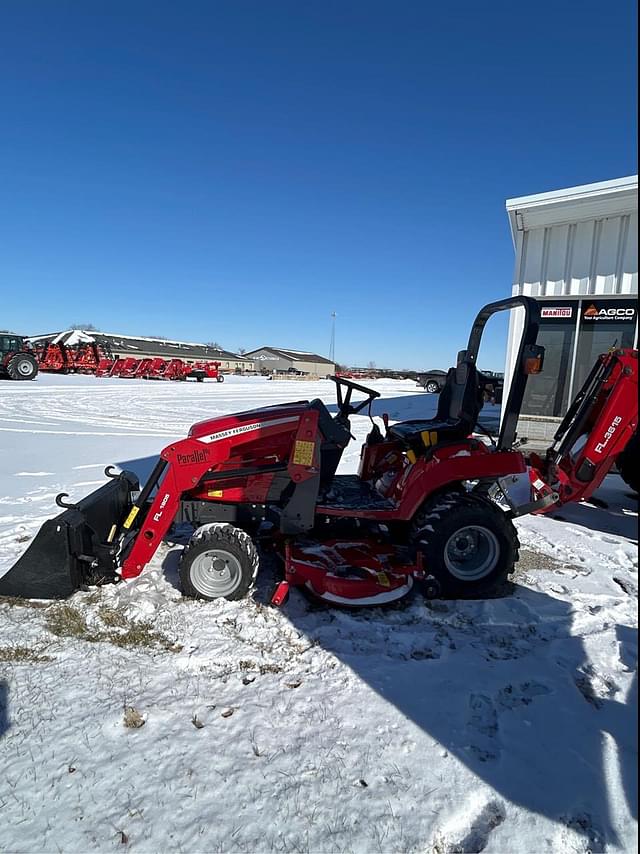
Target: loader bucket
(71, 551)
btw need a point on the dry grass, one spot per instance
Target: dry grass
(262, 669)
(18, 602)
(141, 635)
(112, 617)
(68, 622)
(22, 655)
(132, 719)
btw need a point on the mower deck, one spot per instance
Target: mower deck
(352, 573)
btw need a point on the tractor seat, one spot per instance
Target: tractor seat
(459, 406)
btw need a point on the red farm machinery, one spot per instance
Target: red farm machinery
(432, 503)
(18, 360)
(81, 355)
(70, 353)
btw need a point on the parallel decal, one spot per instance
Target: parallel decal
(193, 457)
(245, 428)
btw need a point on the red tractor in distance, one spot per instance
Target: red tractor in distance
(17, 359)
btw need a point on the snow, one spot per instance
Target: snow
(504, 725)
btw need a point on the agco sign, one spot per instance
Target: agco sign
(592, 312)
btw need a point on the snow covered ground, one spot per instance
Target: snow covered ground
(132, 719)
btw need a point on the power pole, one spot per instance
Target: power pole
(332, 346)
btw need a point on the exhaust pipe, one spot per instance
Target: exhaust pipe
(78, 547)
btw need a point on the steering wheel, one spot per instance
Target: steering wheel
(345, 407)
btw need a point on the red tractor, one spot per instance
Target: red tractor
(17, 358)
(431, 503)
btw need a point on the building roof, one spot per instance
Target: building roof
(586, 201)
(293, 355)
(128, 344)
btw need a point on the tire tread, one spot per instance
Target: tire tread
(221, 535)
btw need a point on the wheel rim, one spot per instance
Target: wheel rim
(432, 387)
(25, 368)
(471, 553)
(216, 573)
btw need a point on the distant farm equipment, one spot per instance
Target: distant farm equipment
(82, 356)
(17, 359)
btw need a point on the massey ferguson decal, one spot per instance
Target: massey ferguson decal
(592, 312)
(244, 428)
(611, 429)
(194, 457)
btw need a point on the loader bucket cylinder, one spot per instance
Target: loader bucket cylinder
(72, 550)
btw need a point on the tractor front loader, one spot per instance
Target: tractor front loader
(431, 502)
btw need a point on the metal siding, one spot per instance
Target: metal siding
(606, 262)
(556, 260)
(532, 263)
(586, 256)
(629, 273)
(577, 281)
(269, 361)
(579, 259)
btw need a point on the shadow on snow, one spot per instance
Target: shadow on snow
(4, 707)
(504, 687)
(501, 684)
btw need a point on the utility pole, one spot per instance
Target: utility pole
(332, 346)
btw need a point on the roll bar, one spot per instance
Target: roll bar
(528, 349)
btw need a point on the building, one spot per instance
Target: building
(123, 346)
(276, 360)
(577, 253)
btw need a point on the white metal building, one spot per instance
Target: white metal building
(275, 360)
(577, 253)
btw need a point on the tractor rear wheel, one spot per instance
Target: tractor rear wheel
(220, 561)
(468, 543)
(22, 366)
(627, 463)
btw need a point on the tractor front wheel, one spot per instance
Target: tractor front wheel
(22, 366)
(468, 543)
(220, 561)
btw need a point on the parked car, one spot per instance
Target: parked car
(433, 382)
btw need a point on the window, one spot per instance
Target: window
(547, 393)
(603, 324)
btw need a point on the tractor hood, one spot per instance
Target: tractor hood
(228, 426)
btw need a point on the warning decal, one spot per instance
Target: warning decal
(303, 453)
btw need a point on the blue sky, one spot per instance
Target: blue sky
(236, 171)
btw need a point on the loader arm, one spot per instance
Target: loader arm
(601, 420)
(184, 465)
